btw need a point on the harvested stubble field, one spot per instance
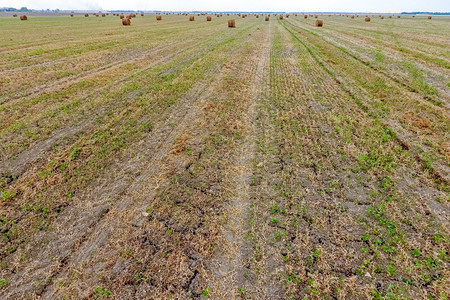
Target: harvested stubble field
(177, 159)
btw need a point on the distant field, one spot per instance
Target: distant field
(177, 159)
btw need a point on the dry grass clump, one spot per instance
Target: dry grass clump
(232, 23)
(319, 23)
(367, 19)
(23, 18)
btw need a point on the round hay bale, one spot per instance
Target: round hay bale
(126, 22)
(121, 16)
(86, 15)
(14, 16)
(23, 18)
(232, 23)
(71, 15)
(191, 18)
(353, 17)
(429, 17)
(208, 19)
(142, 15)
(382, 18)
(281, 17)
(158, 18)
(398, 17)
(319, 23)
(267, 18)
(367, 19)
(305, 16)
(103, 15)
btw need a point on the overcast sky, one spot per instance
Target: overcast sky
(239, 5)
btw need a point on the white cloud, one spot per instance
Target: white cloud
(239, 5)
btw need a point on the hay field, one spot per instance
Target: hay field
(188, 160)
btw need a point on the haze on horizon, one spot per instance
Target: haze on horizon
(379, 6)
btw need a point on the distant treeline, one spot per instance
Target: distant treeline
(22, 9)
(14, 9)
(426, 13)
